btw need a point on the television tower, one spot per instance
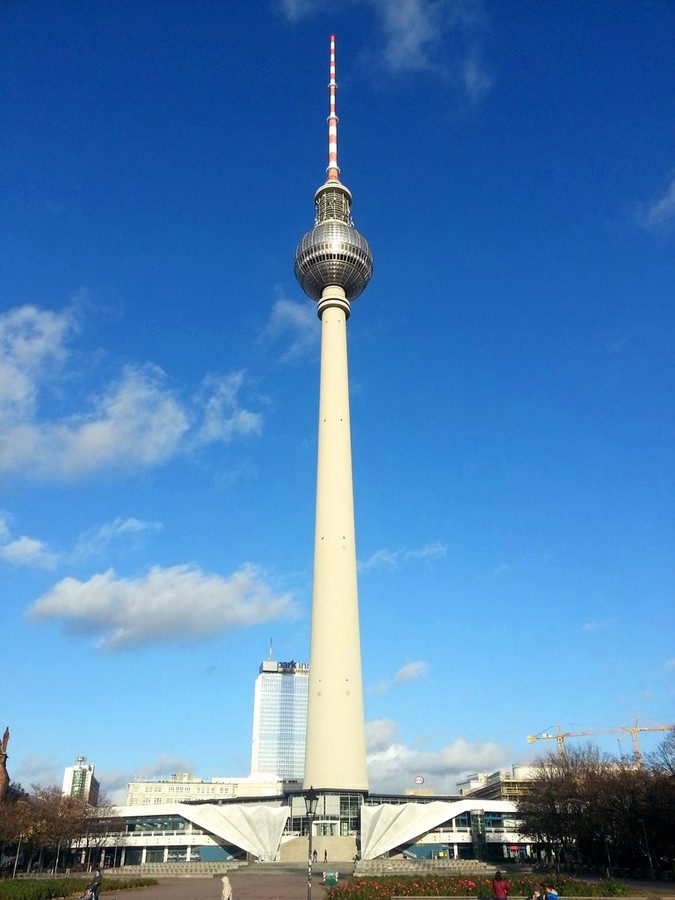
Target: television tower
(333, 264)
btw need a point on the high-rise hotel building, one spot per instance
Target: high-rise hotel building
(280, 720)
(79, 781)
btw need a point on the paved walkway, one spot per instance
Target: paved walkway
(291, 886)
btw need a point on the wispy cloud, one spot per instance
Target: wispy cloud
(117, 782)
(30, 551)
(297, 325)
(95, 540)
(439, 36)
(136, 420)
(295, 10)
(669, 664)
(223, 418)
(412, 30)
(475, 77)
(662, 210)
(393, 766)
(177, 604)
(39, 770)
(412, 671)
(392, 559)
(593, 625)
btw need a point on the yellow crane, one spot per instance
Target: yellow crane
(633, 730)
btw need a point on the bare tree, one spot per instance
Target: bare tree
(56, 821)
(608, 813)
(663, 758)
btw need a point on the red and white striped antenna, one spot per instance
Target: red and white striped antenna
(333, 169)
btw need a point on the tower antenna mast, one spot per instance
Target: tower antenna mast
(333, 170)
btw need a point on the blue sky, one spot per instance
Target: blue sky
(511, 374)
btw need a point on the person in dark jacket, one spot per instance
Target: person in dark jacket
(95, 884)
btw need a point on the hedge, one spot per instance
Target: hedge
(51, 888)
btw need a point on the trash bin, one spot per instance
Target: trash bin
(330, 878)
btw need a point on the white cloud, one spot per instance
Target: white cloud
(392, 766)
(32, 346)
(669, 664)
(661, 211)
(380, 733)
(135, 421)
(298, 323)
(178, 604)
(26, 551)
(411, 671)
(391, 559)
(421, 35)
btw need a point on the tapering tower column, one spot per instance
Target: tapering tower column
(333, 264)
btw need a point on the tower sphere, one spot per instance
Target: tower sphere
(333, 252)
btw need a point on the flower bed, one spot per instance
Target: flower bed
(363, 888)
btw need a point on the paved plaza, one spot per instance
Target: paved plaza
(247, 886)
(290, 885)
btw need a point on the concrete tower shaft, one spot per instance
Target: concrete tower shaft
(333, 264)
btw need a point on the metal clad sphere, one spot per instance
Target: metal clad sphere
(333, 252)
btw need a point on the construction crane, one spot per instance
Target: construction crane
(633, 730)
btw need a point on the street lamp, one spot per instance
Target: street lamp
(16, 858)
(609, 861)
(311, 799)
(649, 855)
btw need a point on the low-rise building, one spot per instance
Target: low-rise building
(502, 785)
(184, 787)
